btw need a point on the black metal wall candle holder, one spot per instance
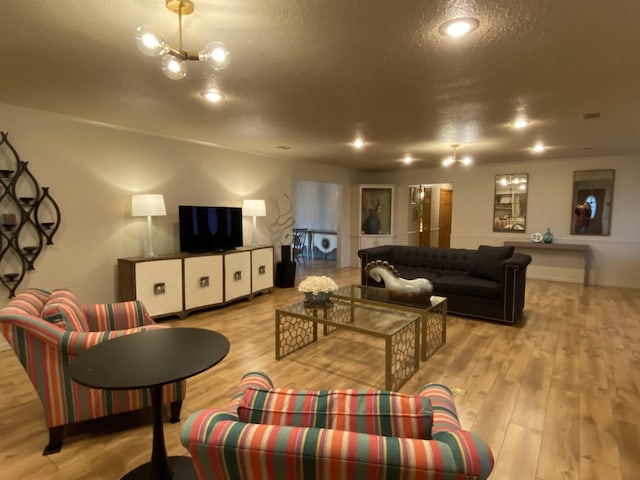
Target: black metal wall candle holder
(29, 217)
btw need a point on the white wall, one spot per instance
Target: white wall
(615, 258)
(316, 205)
(92, 170)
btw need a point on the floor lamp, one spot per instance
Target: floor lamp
(254, 208)
(148, 205)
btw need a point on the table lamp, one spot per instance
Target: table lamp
(148, 205)
(254, 208)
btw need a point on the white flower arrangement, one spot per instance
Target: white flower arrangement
(316, 284)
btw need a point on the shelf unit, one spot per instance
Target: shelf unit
(177, 284)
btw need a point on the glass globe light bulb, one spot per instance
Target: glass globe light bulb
(467, 161)
(173, 67)
(215, 53)
(448, 161)
(213, 96)
(149, 42)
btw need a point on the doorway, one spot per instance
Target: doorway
(315, 209)
(434, 211)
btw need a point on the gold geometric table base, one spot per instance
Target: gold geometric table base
(297, 327)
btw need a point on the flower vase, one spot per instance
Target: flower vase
(548, 236)
(317, 299)
(371, 224)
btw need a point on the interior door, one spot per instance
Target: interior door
(444, 239)
(425, 216)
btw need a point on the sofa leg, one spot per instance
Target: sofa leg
(55, 440)
(175, 411)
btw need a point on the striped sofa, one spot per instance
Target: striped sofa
(270, 433)
(48, 329)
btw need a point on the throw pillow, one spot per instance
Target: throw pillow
(487, 262)
(373, 412)
(62, 308)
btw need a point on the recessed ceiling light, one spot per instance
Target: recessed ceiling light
(459, 26)
(213, 96)
(539, 147)
(358, 143)
(407, 159)
(520, 123)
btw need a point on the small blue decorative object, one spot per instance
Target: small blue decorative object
(548, 236)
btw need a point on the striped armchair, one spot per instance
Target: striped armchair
(269, 433)
(48, 329)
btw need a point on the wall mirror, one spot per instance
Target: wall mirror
(592, 200)
(510, 207)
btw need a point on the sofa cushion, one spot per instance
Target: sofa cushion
(63, 309)
(488, 262)
(438, 260)
(373, 412)
(31, 301)
(410, 273)
(446, 285)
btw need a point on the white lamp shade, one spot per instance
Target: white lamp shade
(148, 205)
(254, 208)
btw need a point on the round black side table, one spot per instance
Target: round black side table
(151, 359)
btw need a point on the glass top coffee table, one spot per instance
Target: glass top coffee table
(297, 327)
(433, 312)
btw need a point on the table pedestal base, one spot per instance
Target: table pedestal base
(182, 468)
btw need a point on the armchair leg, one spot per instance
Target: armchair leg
(175, 411)
(55, 440)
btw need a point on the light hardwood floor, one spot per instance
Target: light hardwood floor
(556, 397)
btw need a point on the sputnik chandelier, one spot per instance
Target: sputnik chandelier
(174, 60)
(451, 159)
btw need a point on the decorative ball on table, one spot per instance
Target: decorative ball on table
(317, 290)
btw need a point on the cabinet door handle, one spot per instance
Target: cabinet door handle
(262, 269)
(237, 275)
(159, 288)
(204, 282)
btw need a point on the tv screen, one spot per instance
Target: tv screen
(209, 229)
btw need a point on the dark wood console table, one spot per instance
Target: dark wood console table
(150, 359)
(581, 248)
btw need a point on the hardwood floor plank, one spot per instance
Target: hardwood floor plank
(519, 453)
(628, 435)
(560, 444)
(531, 405)
(592, 470)
(598, 430)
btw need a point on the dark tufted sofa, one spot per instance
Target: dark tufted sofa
(486, 283)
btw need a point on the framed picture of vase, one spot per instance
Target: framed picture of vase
(376, 208)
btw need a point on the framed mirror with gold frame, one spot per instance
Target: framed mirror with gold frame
(592, 202)
(510, 202)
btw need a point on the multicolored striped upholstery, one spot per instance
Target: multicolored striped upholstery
(63, 309)
(46, 350)
(376, 412)
(224, 447)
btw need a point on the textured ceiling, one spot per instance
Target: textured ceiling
(309, 74)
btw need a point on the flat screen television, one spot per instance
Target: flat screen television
(209, 229)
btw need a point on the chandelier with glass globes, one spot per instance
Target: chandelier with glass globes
(453, 159)
(174, 60)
